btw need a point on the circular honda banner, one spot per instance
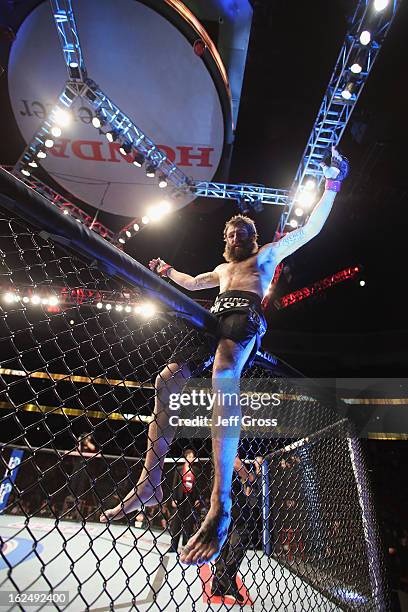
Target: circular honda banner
(149, 69)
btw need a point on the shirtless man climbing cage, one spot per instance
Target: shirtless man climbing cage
(243, 280)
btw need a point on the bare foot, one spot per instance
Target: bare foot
(206, 544)
(143, 495)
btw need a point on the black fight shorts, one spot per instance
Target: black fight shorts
(240, 319)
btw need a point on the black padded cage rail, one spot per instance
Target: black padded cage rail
(78, 385)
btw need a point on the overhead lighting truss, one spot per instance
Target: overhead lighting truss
(66, 207)
(247, 197)
(38, 142)
(128, 132)
(80, 86)
(343, 91)
(335, 110)
(252, 194)
(68, 34)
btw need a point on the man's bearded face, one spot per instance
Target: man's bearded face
(239, 244)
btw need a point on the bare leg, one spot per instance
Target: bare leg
(206, 544)
(148, 491)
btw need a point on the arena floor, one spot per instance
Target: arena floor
(157, 580)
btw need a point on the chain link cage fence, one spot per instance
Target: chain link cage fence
(80, 355)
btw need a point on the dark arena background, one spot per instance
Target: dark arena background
(133, 130)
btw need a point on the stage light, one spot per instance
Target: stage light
(9, 298)
(33, 163)
(165, 206)
(25, 171)
(147, 309)
(108, 306)
(128, 309)
(293, 223)
(112, 135)
(128, 234)
(35, 300)
(99, 305)
(26, 299)
(122, 240)
(98, 121)
(53, 301)
(306, 198)
(347, 91)
(299, 211)
(56, 131)
(157, 212)
(356, 68)
(150, 171)
(310, 184)
(162, 181)
(62, 117)
(362, 283)
(49, 143)
(138, 160)
(145, 219)
(119, 307)
(44, 301)
(74, 70)
(365, 37)
(136, 227)
(126, 148)
(380, 5)
(41, 154)
(72, 322)
(154, 213)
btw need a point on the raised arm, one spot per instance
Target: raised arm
(287, 245)
(192, 283)
(297, 238)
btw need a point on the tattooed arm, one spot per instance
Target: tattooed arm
(194, 283)
(296, 239)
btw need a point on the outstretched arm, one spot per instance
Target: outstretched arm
(192, 283)
(294, 240)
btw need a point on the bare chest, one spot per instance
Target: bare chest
(246, 275)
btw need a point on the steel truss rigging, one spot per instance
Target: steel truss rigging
(66, 206)
(354, 64)
(342, 93)
(110, 116)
